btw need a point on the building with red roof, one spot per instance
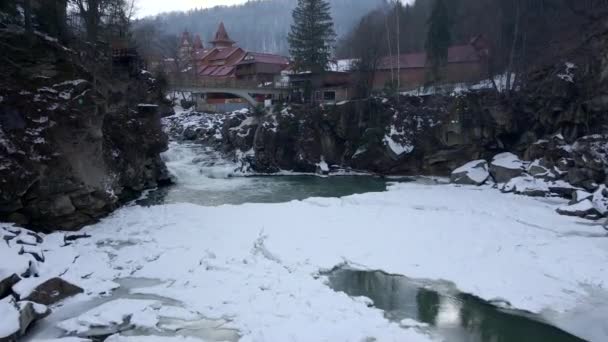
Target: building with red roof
(465, 64)
(224, 62)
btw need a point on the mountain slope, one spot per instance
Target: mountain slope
(260, 25)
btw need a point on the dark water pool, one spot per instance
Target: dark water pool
(456, 317)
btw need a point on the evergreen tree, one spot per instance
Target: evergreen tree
(312, 35)
(438, 38)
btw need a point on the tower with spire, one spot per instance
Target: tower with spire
(222, 40)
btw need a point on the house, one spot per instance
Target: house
(329, 87)
(466, 64)
(223, 64)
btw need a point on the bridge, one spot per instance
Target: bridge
(245, 89)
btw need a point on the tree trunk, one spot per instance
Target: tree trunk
(27, 14)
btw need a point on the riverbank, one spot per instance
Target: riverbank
(257, 266)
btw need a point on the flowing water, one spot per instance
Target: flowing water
(203, 177)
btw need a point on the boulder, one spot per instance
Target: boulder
(600, 200)
(506, 166)
(53, 291)
(17, 317)
(583, 209)
(6, 283)
(472, 173)
(579, 196)
(29, 313)
(536, 169)
(9, 324)
(528, 186)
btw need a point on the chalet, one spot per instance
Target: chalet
(225, 63)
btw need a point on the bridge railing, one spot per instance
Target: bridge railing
(182, 81)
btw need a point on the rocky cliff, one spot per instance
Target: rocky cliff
(75, 140)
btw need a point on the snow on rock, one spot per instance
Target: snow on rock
(64, 339)
(582, 209)
(397, 142)
(9, 318)
(322, 167)
(148, 338)
(527, 185)
(112, 317)
(506, 166)
(600, 200)
(472, 173)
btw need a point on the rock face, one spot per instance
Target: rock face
(70, 150)
(472, 173)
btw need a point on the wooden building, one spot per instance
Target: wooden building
(466, 64)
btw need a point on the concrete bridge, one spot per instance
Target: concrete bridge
(244, 89)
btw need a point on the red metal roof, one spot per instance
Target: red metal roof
(456, 54)
(225, 53)
(267, 58)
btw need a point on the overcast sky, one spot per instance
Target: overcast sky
(152, 7)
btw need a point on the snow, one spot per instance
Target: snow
(476, 170)
(507, 160)
(582, 206)
(9, 322)
(397, 147)
(119, 338)
(139, 313)
(257, 265)
(322, 165)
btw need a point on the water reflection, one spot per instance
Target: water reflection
(456, 317)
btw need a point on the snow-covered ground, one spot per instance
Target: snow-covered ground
(255, 267)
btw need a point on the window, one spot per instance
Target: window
(329, 96)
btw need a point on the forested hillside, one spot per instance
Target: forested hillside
(260, 25)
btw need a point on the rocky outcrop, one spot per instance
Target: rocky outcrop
(53, 291)
(74, 143)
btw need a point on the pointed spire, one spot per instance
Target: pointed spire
(198, 43)
(186, 38)
(221, 37)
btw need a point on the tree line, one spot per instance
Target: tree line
(521, 34)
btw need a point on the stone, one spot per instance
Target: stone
(506, 166)
(536, 169)
(579, 196)
(61, 206)
(472, 173)
(584, 209)
(9, 313)
(29, 313)
(53, 291)
(6, 283)
(527, 186)
(576, 176)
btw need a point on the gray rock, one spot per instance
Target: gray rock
(506, 166)
(29, 313)
(7, 283)
(472, 173)
(53, 291)
(584, 209)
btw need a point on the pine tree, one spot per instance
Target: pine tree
(312, 35)
(438, 38)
